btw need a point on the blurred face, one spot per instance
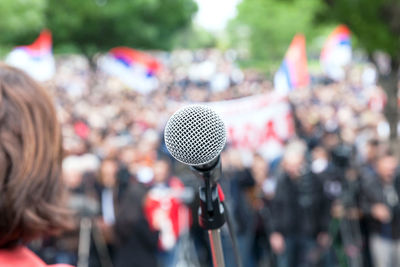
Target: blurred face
(293, 165)
(386, 168)
(161, 171)
(128, 156)
(72, 178)
(331, 140)
(319, 153)
(235, 159)
(259, 169)
(108, 173)
(371, 152)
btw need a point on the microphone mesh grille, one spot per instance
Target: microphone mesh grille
(195, 135)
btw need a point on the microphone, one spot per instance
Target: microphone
(195, 135)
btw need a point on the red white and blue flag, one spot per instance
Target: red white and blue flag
(134, 68)
(293, 72)
(336, 53)
(35, 59)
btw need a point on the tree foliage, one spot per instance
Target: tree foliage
(93, 25)
(21, 20)
(271, 24)
(102, 24)
(195, 37)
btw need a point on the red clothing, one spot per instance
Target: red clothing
(22, 257)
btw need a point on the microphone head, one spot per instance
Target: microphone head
(195, 135)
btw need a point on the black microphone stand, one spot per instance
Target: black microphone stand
(211, 210)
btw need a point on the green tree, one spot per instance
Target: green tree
(94, 25)
(194, 37)
(376, 24)
(90, 26)
(268, 26)
(21, 20)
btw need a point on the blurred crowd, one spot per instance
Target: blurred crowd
(331, 199)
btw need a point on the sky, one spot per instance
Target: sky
(213, 15)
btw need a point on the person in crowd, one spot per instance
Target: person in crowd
(108, 190)
(332, 180)
(367, 172)
(330, 174)
(381, 204)
(166, 211)
(368, 166)
(244, 214)
(107, 194)
(261, 197)
(31, 189)
(136, 241)
(300, 212)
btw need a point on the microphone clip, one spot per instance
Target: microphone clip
(211, 210)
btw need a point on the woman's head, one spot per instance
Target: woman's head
(30, 160)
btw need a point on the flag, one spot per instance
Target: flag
(36, 59)
(336, 53)
(134, 68)
(293, 72)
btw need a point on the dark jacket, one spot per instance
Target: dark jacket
(136, 242)
(244, 213)
(333, 181)
(374, 192)
(299, 206)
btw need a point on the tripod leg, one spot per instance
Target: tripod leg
(216, 247)
(84, 242)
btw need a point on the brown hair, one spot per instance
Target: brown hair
(31, 189)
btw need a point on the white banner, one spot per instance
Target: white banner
(258, 123)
